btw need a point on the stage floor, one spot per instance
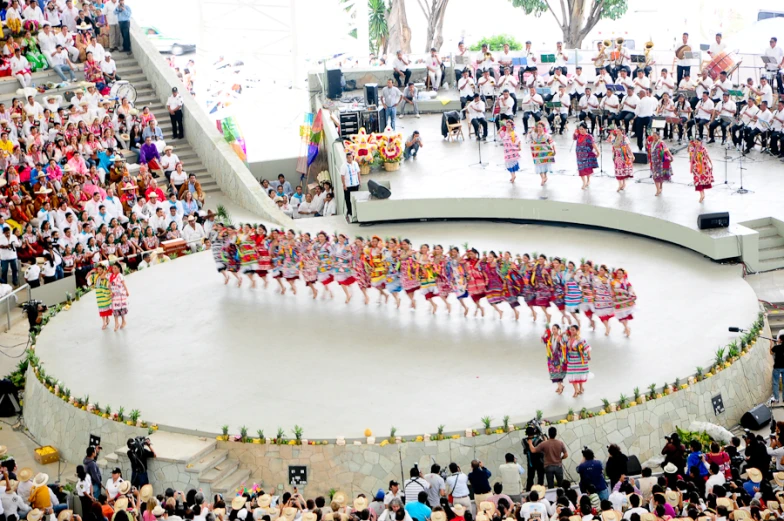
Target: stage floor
(198, 354)
(443, 170)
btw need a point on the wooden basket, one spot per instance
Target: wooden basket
(392, 167)
(364, 169)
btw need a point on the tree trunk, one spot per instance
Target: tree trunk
(438, 38)
(399, 31)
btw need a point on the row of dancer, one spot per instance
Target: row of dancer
(394, 266)
(660, 158)
(568, 355)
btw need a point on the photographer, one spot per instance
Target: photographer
(8, 245)
(413, 144)
(616, 464)
(674, 452)
(535, 461)
(591, 473)
(139, 449)
(457, 487)
(554, 453)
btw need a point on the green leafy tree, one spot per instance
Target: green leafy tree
(496, 43)
(576, 18)
(378, 31)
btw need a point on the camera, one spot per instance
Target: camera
(34, 309)
(138, 443)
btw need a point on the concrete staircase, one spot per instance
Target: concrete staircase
(128, 69)
(184, 462)
(771, 242)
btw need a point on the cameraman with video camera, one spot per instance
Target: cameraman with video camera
(535, 461)
(139, 449)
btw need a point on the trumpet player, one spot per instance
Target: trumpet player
(641, 82)
(623, 60)
(466, 88)
(738, 130)
(533, 104)
(485, 60)
(588, 102)
(628, 107)
(530, 57)
(721, 86)
(664, 85)
(508, 82)
(723, 112)
(758, 127)
(703, 113)
(704, 84)
(600, 84)
(600, 61)
(560, 58)
(777, 131)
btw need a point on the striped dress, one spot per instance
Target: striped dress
(457, 277)
(577, 361)
(543, 153)
(119, 296)
(309, 262)
(543, 287)
(603, 302)
(529, 295)
(378, 275)
(624, 299)
(427, 276)
(409, 274)
(495, 284)
(573, 296)
(477, 280)
(103, 295)
(513, 280)
(392, 283)
(324, 255)
(361, 265)
(443, 280)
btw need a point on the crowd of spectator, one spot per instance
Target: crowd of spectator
(299, 204)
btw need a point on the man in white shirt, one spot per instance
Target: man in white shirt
(628, 108)
(109, 68)
(664, 84)
(509, 83)
(114, 25)
(459, 68)
(758, 126)
(765, 92)
(457, 486)
(93, 204)
(414, 485)
(560, 58)
(21, 68)
(437, 488)
(476, 116)
(97, 49)
(777, 131)
(778, 54)
(159, 222)
(578, 83)
(33, 12)
(401, 72)
(532, 106)
(600, 83)
(724, 111)
(69, 16)
(394, 492)
(33, 108)
(716, 478)
(434, 71)
(626, 82)
(683, 68)
(174, 104)
(562, 112)
(722, 86)
(641, 82)
(587, 103)
(350, 178)
(114, 205)
(65, 38)
(511, 477)
(330, 207)
(612, 104)
(702, 115)
(557, 81)
(738, 131)
(704, 84)
(643, 115)
(486, 86)
(47, 41)
(717, 47)
(169, 161)
(390, 99)
(485, 61)
(193, 234)
(465, 88)
(8, 246)
(308, 208)
(506, 106)
(532, 506)
(634, 507)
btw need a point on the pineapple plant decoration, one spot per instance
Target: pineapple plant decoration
(622, 401)
(243, 434)
(280, 438)
(539, 415)
(260, 439)
(440, 433)
(297, 431)
(638, 397)
(506, 423)
(570, 414)
(606, 405)
(392, 431)
(225, 431)
(486, 422)
(699, 375)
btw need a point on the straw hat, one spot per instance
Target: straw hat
(773, 505)
(540, 490)
(609, 515)
(168, 147)
(672, 497)
(438, 515)
(125, 137)
(158, 511)
(724, 502)
(124, 487)
(273, 513)
(65, 515)
(3, 450)
(739, 515)
(12, 485)
(647, 516)
(121, 503)
(238, 502)
(360, 504)
(340, 498)
(309, 516)
(778, 477)
(45, 191)
(34, 515)
(133, 112)
(84, 26)
(40, 480)
(264, 501)
(754, 475)
(482, 517)
(146, 493)
(216, 511)
(488, 507)
(289, 513)
(670, 468)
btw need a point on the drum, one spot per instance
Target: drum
(123, 89)
(723, 62)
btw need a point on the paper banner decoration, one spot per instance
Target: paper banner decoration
(233, 136)
(310, 133)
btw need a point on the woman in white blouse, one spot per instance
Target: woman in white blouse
(84, 488)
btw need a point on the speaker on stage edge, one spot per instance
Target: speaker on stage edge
(633, 467)
(641, 158)
(756, 418)
(334, 83)
(371, 94)
(706, 221)
(378, 191)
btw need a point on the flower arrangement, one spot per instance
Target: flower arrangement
(364, 147)
(390, 149)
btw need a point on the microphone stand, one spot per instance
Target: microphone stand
(741, 190)
(479, 164)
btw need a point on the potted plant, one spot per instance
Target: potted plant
(107, 412)
(121, 414)
(622, 401)
(506, 423)
(260, 440)
(638, 397)
(486, 422)
(297, 434)
(698, 375)
(719, 359)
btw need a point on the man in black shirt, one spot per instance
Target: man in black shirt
(535, 460)
(138, 453)
(777, 350)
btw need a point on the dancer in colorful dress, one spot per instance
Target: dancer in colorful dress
(529, 294)
(623, 157)
(660, 160)
(603, 302)
(578, 354)
(427, 276)
(360, 262)
(443, 281)
(477, 280)
(556, 355)
(249, 257)
(99, 279)
(587, 152)
(409, 271)
(290, 269)
(230, 256)
(325, 264)
(309, 263)
(584, 277)
(344, 274)
(701, 167)
(543, 286)
(457, 277)
(495, 284)
(513, 282)
(378, 267)
(216, 246)
(392, 260)
(625, 297)
(543, 151)
(120, 296)
(512, 145)
(262, 253)
(557, 276)
(574, 296)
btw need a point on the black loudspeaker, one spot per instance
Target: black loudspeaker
(371, 94)
(633, 467)
(756, 418)
(334, 83)
(641, 158)
(375, 120)
(9, 399)
(706, 221)
(378, 191)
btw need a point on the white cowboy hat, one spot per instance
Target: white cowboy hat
(40, 480)
(238, 502)
(124, 487)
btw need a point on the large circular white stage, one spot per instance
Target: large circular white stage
(198, 354)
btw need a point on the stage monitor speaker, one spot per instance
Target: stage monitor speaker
(641, 158)
(706, 221)
(378, 191)
(633, 467)
(371, 94)
(334, 83)
(9, 399)
(756, 418)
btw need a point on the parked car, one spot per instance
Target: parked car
(166, 44)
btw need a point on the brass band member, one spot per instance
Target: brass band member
(723, 113)
(601, 61)
(682, 68)
(561, 59)
(702, 114)
(532, 106)
(623, 59)
(777, 131)
(747, 116)
(612, 104)
(666, 109)
(530, 57)
(509, 82)
(628, 107)
(758, 127)
(466, 88)
(665, 84)
(600, 84)
(562, 111)
(588, 103)
(721, 87)
(683, 111)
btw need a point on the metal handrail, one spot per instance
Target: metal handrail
(7, 300)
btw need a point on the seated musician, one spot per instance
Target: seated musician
(532, 106)
(683, 112)
(702, 114)
(600, 84)
(625, 81)
(509, 82)
(723, 113)
(531, 79)
(578, 82)
(561, 59)
(738, 130)
(505, 59)
(556, 82)
(722, 86)
(777, 131)
(641, 82)
(612, 105)
(530, 57)
(686, 84)
(628, 106)
(466, 88)
(486, 86)
(764, 92)
(704, 84)
(485, 60)
(587, 104)
(563, 111)
(747, 90)
(476, 115)
(758, 127)
(666, 110)
(665, 83)
(461, 51)
(506, 106)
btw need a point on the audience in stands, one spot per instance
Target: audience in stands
(319, 201)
